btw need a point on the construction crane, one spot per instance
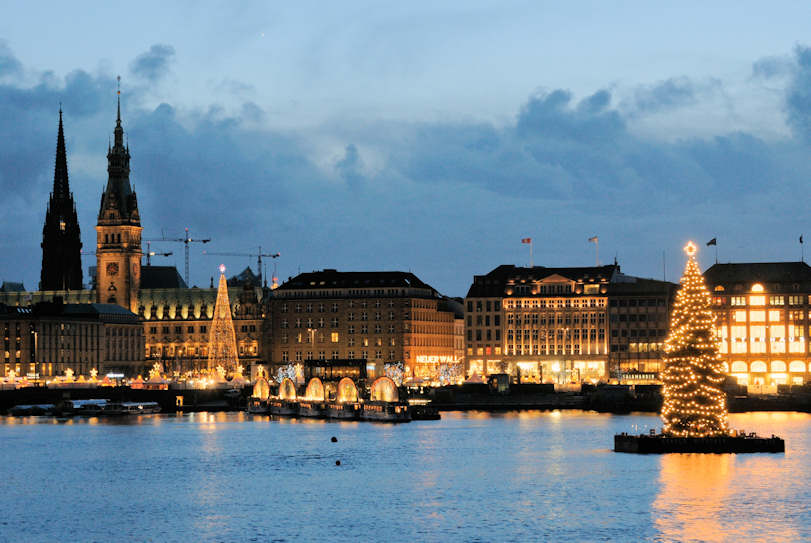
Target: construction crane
(186, 239)
(258, 256)
(150, 253)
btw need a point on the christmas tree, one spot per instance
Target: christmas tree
(222, 341)
(694, 403)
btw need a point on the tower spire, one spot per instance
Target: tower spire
(61, 238)
(61, 187)
(118, 118)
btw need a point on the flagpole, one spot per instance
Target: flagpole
(531, 261)
(597, 250)
(716, 252)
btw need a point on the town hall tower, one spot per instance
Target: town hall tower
(118, 232)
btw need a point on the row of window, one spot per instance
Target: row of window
(321, 308)
(759, 300)
(334, 338)
(364, 355)
(562, 303)
(544, 319)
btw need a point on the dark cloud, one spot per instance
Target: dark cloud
(9, 65)
(414, 195)
(798, 97)
(153, 64)
(772, 67)
(670, 94)
(349, 167)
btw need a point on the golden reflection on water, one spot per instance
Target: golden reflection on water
(693, 488)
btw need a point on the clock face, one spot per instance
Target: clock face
(112, 268)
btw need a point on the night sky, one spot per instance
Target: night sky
(364, 136)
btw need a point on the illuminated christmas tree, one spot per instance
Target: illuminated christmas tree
(694, 403)
(222, 340)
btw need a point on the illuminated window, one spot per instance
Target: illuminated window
(776, 300)
(796, 300)
(758, 367)
(757, 300)
(737, 300)
(739, 316)
(757, 287)
(334, 337)
(757, 316)
(757, 339)
(797, 366)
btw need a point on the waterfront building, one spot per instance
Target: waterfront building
(762, 317)
(48, 338)
(565, 325)
(379, 317)
(175, 318)
(61, 237)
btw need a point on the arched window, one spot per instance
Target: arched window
(778, 366)
(758, 366)
(739, 367)
(797, 366)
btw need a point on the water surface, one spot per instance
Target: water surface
(527, 476)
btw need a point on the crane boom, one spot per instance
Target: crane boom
(258, 256)
(186, 239)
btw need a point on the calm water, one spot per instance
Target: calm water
(469, 477)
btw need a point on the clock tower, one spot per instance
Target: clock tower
(118, 231)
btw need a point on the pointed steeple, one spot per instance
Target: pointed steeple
(119, 131)
(61, 185)
(61, 237)
(119, 204)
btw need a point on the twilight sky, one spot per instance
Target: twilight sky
(362, 135)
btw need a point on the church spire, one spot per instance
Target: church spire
(61, 238)
(61, 187)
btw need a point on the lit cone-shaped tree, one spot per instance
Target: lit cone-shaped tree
(694, 402)
(222, 340)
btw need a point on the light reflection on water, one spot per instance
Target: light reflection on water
(471, 476)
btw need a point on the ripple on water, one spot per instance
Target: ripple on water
(469, 477)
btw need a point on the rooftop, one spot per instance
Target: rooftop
(758, 272)
(161, 277)
(330, 278)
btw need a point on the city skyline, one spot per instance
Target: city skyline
(698, 147)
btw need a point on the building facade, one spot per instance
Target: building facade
(762, 320)
(379, 317)
(558, 324)
(177, 323)
(61, 237)
(49, 338)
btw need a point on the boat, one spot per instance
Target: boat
(87, 408)
(32, 409)
(381, 411)
(312, 409)
(286, 408)
(130, 408)
(258, 406)
(343, 410)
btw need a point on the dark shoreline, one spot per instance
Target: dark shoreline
(604, 399)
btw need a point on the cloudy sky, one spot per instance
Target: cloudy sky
(371, 135)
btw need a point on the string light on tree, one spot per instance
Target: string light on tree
(694, 402)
